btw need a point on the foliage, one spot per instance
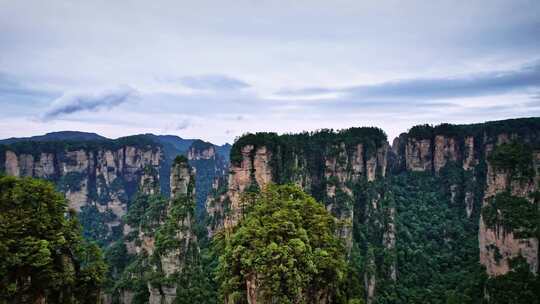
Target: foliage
(427, 131)
(206, 173)
(268, 140)
(421, 132)
(146, 211)
(35, 148)
(199, 145)
(514, 214)
(436, 246)
(43, 253)
(515, 157)
(287, 244)
(523, 127)
(94, 227)
(168, 223)
(179, 159)
(180, 211)
(310, 142)
(519, 286)
(70, 182)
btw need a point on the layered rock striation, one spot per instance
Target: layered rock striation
(496, 158)
(162, 239)
(96, 176)
(325, 164)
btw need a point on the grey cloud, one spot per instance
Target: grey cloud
(213, 82)
(485, 84)
(184, 124)
(73, 103)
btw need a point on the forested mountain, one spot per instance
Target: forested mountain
(100, 176)
(446, 214)
(56, 136)
(449, 214)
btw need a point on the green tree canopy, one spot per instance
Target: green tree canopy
(43, 253)
(286, 247)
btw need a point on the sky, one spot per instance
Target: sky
(218, 69)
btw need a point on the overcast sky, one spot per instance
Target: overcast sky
(217, 69)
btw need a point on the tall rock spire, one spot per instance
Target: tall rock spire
(176, 242)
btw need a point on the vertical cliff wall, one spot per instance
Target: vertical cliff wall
(210, 165)
(333, 167)
(162, 242)
(450, 190)
(97, 177)
(325, 164)
(500, 161)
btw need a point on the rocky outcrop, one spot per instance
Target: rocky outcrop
(333, 169)
(104, 177)
(469, 158)
(370, 281)
(498, 244)
(432, 154)
(345, 163)
(198, 151)
(179, 214)
(389, 239)
(254, 169)
(469, 147)
(209, 165)
(216, 206)
(446, 150)
(163, 238)
(419, 155)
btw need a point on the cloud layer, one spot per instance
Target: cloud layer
(483, 84)
(78, 102)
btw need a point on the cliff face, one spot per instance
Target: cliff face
(180, 215)
(470, 148)
(326, 169)
(431, 154)
(468, 168)
(101, 178)
(209, 165)
(501, 242)
(332, 167)
(254, 169)
(161, 236)
(201, 151)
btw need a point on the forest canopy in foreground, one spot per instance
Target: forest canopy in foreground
(44, 257)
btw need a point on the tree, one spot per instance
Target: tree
(44, 257)
(284, 251)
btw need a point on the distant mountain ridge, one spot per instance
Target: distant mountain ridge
(57, 136)
(173, 142)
